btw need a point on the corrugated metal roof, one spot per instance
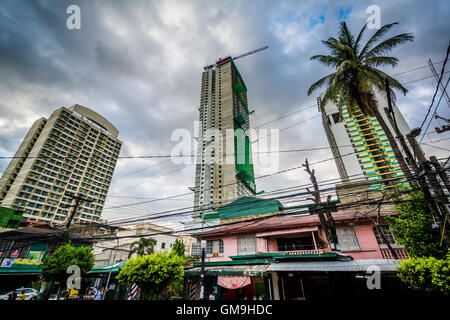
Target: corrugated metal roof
(336, 266)
(253, 270)
(248, 206)
(288, 231)
(280, 222)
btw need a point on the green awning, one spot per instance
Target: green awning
(20, 266)
(112, 267)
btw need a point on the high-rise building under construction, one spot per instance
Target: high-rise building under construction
(224, 168)
(74, 151)
(360, 146)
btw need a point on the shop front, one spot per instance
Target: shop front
(232, 282)
(319, 280)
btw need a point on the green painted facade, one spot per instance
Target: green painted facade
(366, 136)
(10, 218)
(242, 144)
(247, 206)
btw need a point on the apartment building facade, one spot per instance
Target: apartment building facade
(224, 168)
(360, 146)
(75, 150)
(284, 257)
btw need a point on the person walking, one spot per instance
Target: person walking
(22, 296)
(12, 295)
(212, 295)
(99, 293)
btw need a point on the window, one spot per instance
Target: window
(14, 249)
(246, 245)
(348, 241)
(214, 247)
(163, 245)
(298, 243)
(384, 230)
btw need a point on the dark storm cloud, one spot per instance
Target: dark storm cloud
(139, 64)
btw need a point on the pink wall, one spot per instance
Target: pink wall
(367, 240)
(229, 249)
(368, 243)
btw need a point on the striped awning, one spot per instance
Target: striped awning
(384, 265)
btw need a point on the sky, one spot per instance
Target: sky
(139, 64)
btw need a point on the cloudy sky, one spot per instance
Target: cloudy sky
(139, 64)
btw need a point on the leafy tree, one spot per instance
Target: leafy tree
(142, 247)
(178, 247)
(428, 274)
(356, 75)
(54, 267)
(152, 273)
(413, 227)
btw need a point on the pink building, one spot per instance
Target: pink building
(358, 236)
(282, 256)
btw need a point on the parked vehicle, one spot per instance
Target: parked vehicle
(30, 294)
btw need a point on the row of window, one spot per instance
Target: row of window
(348, 241)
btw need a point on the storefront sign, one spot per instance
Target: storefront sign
(35, 254)
(15, 253)
(22, 261)
(6, 263)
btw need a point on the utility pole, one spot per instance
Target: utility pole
(436, 76)
(78, 200)
(441, 172)
(202, 273)
(399, 134)
(325, 217)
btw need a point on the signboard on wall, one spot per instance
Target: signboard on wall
(27, 261)
(15, 253)
(6, 263)
(35, 255)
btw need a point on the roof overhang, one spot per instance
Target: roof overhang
(251, 270)
(287, 232)
(366, 265)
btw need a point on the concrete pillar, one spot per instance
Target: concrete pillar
(276, 292)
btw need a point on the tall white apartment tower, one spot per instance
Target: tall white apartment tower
(224, 168)
(361, 148)
(75, 150)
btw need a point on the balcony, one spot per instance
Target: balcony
(303, 252)
(387, 254)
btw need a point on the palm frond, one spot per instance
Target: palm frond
(388, 45)
(345, 35)
(358, 38)
(320, 83)
(327, 60)
(377, 35)
(381, 61)
(392, 81)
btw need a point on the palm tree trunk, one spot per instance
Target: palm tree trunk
(394, 146)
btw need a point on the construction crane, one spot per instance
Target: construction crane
(237, 57)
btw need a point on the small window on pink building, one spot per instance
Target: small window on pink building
(348, 241)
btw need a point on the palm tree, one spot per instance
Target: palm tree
(355, 78)
(142, 247)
